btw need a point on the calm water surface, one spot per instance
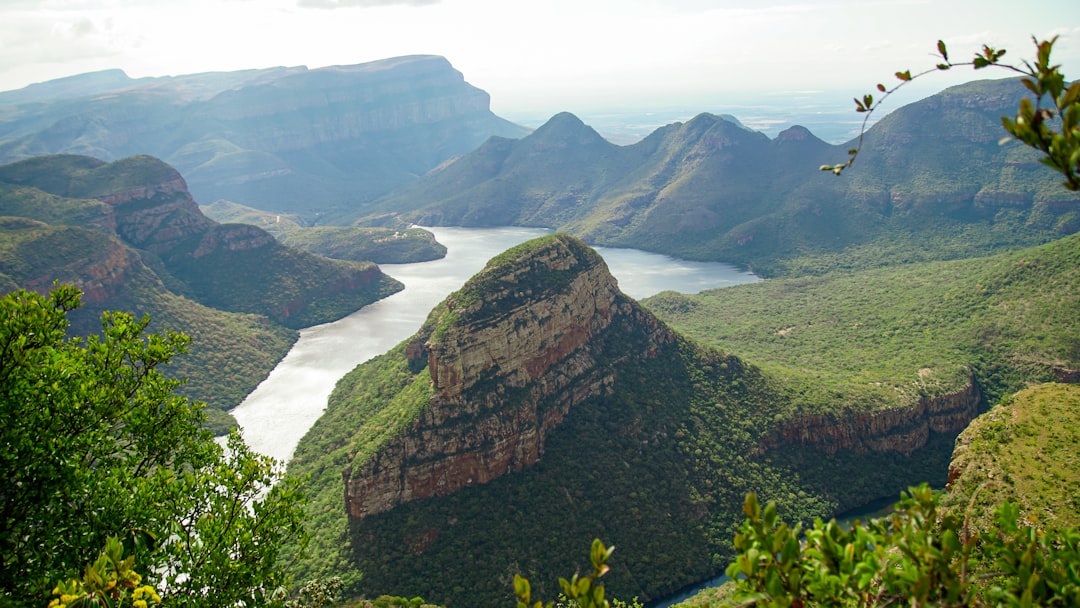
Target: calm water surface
(284, 406)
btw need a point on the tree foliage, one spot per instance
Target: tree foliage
(97, 445)
(1050, 124)
(579, 591)
(917, 556)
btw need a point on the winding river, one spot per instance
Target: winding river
(281, 409)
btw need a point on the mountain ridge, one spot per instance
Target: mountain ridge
(282, 139)
(709, 189)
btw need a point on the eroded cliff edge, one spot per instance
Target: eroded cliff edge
(508, 357)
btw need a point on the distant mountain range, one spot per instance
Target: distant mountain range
(932, 182)
(407, 140)
(281, 139)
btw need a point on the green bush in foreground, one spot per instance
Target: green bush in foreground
(917, 556)
(99, 451)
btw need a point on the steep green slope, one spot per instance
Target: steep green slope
(291, 286)
(539, 408)
(229, 354)
(888, 338)
(931, 183)
(888, 332)
(233, 267)
(1027, 451)
(30, 202)
(128, 234)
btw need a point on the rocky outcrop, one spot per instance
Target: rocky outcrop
(158, 216)
(903, 429)
(341, 103)
(511, 354)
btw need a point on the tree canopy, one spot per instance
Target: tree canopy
(96, 445)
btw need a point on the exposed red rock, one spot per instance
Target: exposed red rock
(502, 381)
(902, 429)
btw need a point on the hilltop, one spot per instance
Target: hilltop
(355, 243)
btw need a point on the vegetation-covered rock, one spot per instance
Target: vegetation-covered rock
(356, 243)
(1025, 450)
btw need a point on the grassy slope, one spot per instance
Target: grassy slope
(886, 333)
(1025, 450)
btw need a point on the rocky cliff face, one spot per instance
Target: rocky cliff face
(509, 357)
(97, 264)
(342, 103)
(903, 430)
(157, 216)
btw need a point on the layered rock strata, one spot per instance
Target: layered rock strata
(902, 429)
(511, 354)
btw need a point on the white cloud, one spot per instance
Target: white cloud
(331, 4)
(555, 55)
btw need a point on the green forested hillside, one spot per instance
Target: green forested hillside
(1025, 450)
(230, 353)
(889, 333)
(887, 338)
(659, 467)
(227, 266)
(642, 467)
(129, 235)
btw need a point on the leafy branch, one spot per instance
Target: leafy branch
(1035, 124)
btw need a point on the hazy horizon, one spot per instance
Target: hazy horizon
(543, 58)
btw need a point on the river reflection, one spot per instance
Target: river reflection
(281, 409)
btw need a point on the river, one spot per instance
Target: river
(281, 409)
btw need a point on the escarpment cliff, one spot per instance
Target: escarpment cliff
(538, 407)
(508, 356)
(904, 429)
(286, 139)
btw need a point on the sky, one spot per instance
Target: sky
(546, 56)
